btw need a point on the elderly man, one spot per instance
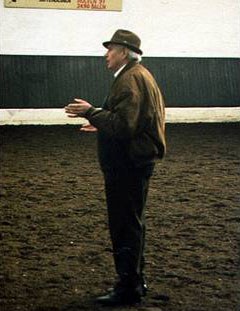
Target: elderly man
(131, 136)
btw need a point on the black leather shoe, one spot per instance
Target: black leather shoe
(119, 298)
(144, 288)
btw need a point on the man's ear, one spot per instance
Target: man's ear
(125, 52)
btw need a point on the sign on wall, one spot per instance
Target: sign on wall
(103, 5)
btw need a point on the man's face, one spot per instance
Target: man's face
(116, 57)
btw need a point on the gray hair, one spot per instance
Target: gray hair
(131, 54)
(134, 56)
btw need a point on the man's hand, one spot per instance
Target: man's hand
(88, 128)
(78, 108)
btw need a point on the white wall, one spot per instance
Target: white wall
(173, 115)
(190, 28)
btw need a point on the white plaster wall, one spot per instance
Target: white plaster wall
(173, 115)
(190, 28)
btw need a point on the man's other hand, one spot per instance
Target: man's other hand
(88, 128)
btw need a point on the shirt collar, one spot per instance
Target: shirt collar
(119, 70)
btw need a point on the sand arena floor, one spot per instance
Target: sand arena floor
(55, 248)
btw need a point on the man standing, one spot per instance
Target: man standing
(131, 136)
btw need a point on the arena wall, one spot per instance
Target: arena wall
(179, 28)
(53, 81)
(192, 47)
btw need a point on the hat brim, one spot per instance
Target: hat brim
(131, 47)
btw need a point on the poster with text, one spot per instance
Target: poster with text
(102, 5)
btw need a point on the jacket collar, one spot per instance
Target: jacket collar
(127, 67)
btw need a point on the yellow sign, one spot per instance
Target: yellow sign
(102, 5)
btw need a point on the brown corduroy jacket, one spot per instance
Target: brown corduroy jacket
(132, 120)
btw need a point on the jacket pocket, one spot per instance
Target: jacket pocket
(142, 148)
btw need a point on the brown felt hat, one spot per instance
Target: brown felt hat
(125, 38)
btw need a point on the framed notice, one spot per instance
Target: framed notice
(102, 5)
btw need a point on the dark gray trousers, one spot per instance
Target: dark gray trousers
(126, 194)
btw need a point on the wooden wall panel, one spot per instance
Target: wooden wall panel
(53, 81)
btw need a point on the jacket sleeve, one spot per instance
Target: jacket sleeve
(122, 121)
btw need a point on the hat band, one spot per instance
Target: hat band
(128, 45)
